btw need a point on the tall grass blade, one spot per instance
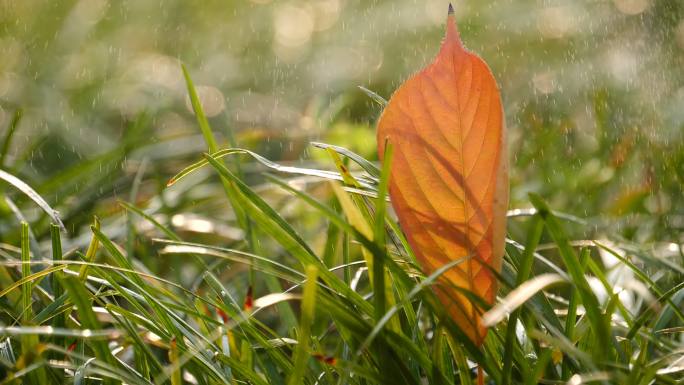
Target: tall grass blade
(571, 316)
(199, 112)
(11, 129)
(380, 284)
(26, 287)
(302, 355)
(524, 270)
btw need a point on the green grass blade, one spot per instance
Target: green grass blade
(212, 146)
(92, 250)
(33, 195)
(367, 166)
(417, 289)
(302, 355)
(524, 271)
(374, 96)
(29, 342)
(267, 163)
(571, 317)
(199, 112)
(261, 212)
(26, 287)
(11, 129)
(82, 299)
(645, 278)
(27, 282)
(461, 362)
(168, 232)
(380, 291)
(56, 239)
(603, 348)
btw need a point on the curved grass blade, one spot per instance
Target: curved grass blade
(279, 270)
(30, 278)
(369, 167)
(518, 296)
(272, 165)
(248, 199)
(168, 232)
(374, 96)
(34, 196)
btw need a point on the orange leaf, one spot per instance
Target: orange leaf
(449, 174)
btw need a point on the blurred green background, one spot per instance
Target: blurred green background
(593, 92)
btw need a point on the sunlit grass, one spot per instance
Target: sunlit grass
(320, 287)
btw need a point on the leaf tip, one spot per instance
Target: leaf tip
(452, 35)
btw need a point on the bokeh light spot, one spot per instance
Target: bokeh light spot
(213, 101)
(632, 7)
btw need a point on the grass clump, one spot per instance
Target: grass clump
(309, 280)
